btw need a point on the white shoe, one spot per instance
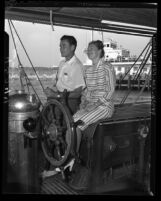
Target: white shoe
(49, 173)
(70, 164)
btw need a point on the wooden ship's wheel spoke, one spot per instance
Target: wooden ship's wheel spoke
(57, 137)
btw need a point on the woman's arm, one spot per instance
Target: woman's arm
(105, 85)
(84, 96)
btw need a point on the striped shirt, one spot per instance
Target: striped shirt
(99, 93)
(100, 83)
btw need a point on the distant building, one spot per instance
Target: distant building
(113, 53)
(122, 60)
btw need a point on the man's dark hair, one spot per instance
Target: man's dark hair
(70, 39)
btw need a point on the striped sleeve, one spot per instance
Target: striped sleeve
(105, 85)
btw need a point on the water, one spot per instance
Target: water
(47, 75)
(42, 72)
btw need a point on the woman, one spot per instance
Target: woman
(96, 102)
(97, 98)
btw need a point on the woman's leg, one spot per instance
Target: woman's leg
(92, 116)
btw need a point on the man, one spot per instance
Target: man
(70, 74)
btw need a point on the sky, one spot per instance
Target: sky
(42, 43)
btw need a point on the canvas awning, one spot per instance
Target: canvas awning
(142, 17)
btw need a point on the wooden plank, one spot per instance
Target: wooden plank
(55, 185)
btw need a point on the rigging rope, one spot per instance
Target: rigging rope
(28, 57)
(26, 77)
(136, 60)
(140, 69)
(146, 82)
(22, 87)
(126, 95)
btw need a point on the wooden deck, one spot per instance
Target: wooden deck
(56, 185)
(120, 182)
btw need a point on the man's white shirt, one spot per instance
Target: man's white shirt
(70, 74)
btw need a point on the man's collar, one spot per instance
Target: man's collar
(71, 60)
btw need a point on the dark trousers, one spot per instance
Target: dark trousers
(73, 104)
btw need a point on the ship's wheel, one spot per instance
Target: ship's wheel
(58, 137)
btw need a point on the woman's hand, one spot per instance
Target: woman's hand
(89, 107)
(83, 104)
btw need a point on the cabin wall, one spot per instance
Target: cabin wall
(129, 147)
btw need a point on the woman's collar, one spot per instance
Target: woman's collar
(100, 62)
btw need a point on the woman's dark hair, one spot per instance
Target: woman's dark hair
(99, 45)
(70, 39)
